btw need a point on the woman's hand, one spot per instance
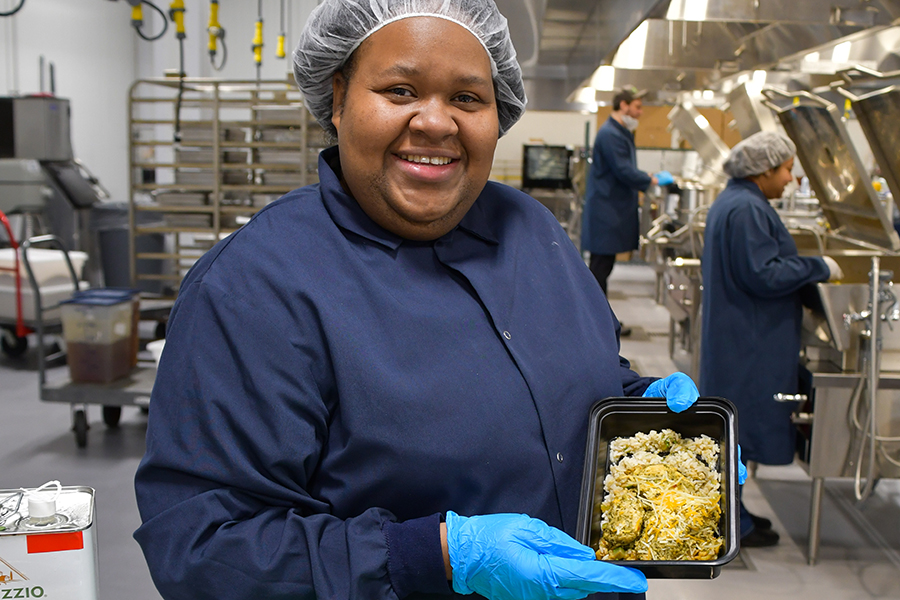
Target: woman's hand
(515, 557)
(678, 389)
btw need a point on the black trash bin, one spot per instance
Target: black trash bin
(109, 225)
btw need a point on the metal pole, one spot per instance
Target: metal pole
(815, 515)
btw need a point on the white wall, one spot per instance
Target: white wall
(238, 19)
(554, 128)
(91, 46)
(97, 56)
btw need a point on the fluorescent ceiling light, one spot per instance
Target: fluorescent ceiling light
(604, 79)
(630, 54)
(811, 57)
(759, 78)
(841, 53)
(587, 95)
(687, 10)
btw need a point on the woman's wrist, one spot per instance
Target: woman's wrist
(446, 551)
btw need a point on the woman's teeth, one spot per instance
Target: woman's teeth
(427, 160)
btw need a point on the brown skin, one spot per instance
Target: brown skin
(773, 181)
(420, 86)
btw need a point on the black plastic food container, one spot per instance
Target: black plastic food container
(623, 417)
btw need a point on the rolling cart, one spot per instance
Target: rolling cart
(131, 390)
(17, 318)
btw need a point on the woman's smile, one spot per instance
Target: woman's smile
(417, 125)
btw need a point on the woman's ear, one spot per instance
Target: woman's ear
(339, 93)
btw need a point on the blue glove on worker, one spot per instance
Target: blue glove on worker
(678, 389)
(664, 178)
(515, 557)
(742, 470)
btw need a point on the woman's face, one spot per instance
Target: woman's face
(773, 181)
(417, 125)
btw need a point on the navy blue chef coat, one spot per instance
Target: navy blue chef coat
(752, 312)
(610, 221)
(328, 389)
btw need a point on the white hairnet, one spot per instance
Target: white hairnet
(758, 153)
(337, 27)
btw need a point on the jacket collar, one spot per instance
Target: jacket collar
(347, 213)
(620, 127)
(749, 186)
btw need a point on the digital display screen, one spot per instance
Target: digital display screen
(546, 167)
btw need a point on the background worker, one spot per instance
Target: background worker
(751, 317)
(367, 390)
(610, 221)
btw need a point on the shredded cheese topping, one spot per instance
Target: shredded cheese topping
(661, 499)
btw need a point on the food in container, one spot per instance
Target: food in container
(661, 498)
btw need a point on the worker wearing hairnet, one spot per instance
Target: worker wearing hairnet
(751, 317)
(379, 387)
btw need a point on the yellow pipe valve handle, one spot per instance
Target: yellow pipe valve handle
(176, 13)
(214, 28)
(258, 43)
(137, 15)
(279, 51)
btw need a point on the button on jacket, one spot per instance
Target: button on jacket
(610, 222)
(329, 389)
(752, 314)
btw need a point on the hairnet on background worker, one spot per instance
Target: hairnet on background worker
(366, 391)
(335, 29)
(752, 307)
(758, 153)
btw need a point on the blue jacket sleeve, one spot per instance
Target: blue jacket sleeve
(758, 263)
(233, 442)
(632, 383)
(617, 153)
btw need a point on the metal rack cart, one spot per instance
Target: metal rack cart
(205, 155)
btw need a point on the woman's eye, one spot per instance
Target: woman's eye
(399, 91)
(466, 98)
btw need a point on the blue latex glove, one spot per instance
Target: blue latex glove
(678, 389)
(515, 557)
(664, 178)
(742, 470)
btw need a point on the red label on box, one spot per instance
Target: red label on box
(54, 542)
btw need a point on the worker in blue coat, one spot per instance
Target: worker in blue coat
(379, 387)
(610, 219)
(752, 312)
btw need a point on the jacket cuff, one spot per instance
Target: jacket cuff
(415, 559)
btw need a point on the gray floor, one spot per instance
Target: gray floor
(859, 553)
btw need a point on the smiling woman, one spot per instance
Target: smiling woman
(417, 125)
(372, 357)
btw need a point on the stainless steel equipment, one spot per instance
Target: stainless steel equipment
(681, 296)
(750, 114)
(673, 243)
(35, 127)
(845, 425)
(836, 174)
(42, 185)
(851, 427)
(694, 127)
